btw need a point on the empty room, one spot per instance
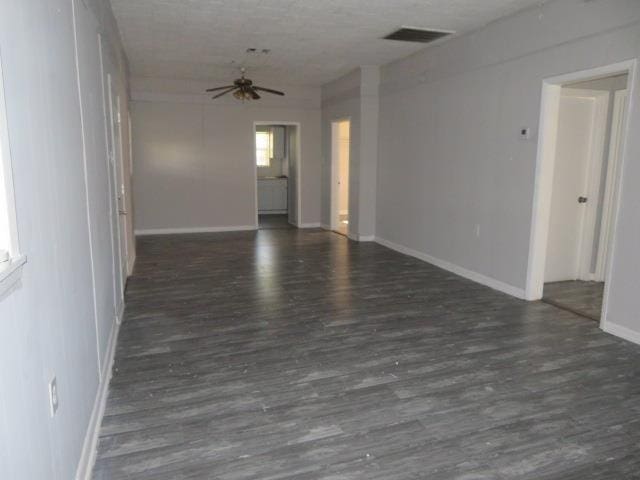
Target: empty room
(319, 240)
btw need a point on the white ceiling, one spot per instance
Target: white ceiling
(311, 41)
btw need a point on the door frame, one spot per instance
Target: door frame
(254, 167)
(118, 300)
(616, 137)
(335, 168)
(545, 160)
(113, 171)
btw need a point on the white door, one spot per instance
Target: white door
(573, 200)
(121, 193)
(115, 166)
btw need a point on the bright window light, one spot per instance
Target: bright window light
(264, 148)
(8, 231)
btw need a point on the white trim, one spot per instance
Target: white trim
(610, 197)
(367, 238)
(618, 188)
(324, 226)
(543, 182)
(458, 270)
(620, 331)
(310, 225)
(167, 231)
(8, 216)
(88, 455)
(11, 274)
(120, 312)
(132, 262)
(85, 171)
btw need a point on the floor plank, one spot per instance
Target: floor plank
(582, 298)
(274, 221)
(298, 354)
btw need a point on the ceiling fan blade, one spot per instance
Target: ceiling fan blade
(223, 93)
(253, 93)
(275, 92)
(218, 88)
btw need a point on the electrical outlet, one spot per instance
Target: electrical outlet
(53, 396)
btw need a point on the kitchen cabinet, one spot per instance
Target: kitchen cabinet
(272, 195)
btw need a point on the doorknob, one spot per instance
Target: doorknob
(582, 199)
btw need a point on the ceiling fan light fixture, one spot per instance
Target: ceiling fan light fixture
(243, 89)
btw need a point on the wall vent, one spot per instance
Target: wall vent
(417, 35)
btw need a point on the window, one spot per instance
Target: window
(264, 148)
(10, 258)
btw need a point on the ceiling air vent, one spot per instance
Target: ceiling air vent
(419, 35)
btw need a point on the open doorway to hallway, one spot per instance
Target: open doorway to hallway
(589, 130)
(340, 146)
(277, 158)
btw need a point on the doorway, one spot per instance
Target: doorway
(340, 156)
(114, 151)
(277, 167)
(582, 138)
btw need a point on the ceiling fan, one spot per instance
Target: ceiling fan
(243, 89)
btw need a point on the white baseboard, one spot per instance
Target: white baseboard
(88, 455)
(131, 263)
(324, 226)
(167, 231)
(362, 238)
(272, 212)
(622, 332)
(458, 270)
(120, 312)
(309, 225)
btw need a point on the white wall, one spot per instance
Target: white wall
(194, 157)
(353, 97)
(455, 183)
(51, 324)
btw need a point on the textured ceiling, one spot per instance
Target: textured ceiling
(311, 41)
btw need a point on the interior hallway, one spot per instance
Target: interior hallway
(298, 354)
(274, 221)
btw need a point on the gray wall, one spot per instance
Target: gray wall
(194, 157)
(456, 183)
(56, 322)
(292, 135)
(353, 97)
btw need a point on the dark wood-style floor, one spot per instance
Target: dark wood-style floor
(583, 298)
(292, 354)
(274, 221)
